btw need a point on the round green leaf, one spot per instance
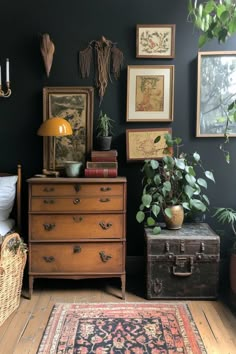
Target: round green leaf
(196, 156)
(180, 163)
(156, 230)
(202, 182)
(189, 191)
(190, 179)
(150, 221)
(197, 204)
(168, 212)
(209, 175)
(156, 209)
(140, 216)
(146, 200)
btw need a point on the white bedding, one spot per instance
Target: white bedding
(6, 226)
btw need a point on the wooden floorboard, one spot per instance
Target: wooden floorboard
(22, 331)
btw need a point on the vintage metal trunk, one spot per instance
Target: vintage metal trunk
(183, 264)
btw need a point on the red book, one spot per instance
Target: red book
(103, 159)
(100, 172)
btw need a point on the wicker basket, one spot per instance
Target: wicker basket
(12, 263)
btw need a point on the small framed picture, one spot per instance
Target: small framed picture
(75, 104)
(155, 41)
(150, 93)
(216, 86)
(140, 144)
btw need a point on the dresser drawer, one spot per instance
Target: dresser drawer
(76, 189)
(77, 226)
(70, 204)
(76, 258)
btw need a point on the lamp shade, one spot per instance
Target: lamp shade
(55, 126)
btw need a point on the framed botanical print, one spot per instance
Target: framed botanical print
(150, 93)
(75, 104)
(140, 144)
(155, 41)
(216, 90)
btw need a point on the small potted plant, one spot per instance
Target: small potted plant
(172, 187)
(104, 131)
(228, 216)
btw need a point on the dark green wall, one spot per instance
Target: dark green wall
(71, 25)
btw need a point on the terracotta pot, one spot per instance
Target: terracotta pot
(232, 273)
(177, 219)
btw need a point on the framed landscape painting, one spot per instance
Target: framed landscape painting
(155, 41)
(150, 93)
(75, 104)
(140, 144)
(216, 90)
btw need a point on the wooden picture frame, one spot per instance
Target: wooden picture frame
(150, 93)
(155, 41)
(140, 144)
(75, 104)
(216, 89)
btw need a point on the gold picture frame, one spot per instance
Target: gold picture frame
(75, 104)
(216, 89)
(150, 93)
(140, 144)
(155, 41)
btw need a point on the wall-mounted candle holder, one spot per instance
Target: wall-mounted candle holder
(7, 93)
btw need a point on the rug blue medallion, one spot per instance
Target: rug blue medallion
(139, 328)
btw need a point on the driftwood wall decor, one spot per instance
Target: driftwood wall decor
(47, 50)
(108, 60)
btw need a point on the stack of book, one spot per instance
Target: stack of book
(102, 164)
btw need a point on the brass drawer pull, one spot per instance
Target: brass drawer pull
(77, 218)
(105, 189)
(48, 189)
(48, 227)
(49, 259)
(76, 201)
(104, 200)
(77, 187)
(104, 257)
(49, 201)
(77, 249)
(105, 226)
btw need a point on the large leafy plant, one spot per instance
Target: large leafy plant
(227, 216)
(176, 180)
(214, 19)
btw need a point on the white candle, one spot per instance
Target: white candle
(0, 76)
(7, 71)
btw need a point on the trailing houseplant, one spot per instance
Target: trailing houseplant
(176, 180)
(214, 19)
(104, 131)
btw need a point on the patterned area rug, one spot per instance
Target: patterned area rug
(117, 328)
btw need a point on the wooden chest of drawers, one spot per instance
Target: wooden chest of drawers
(77, 228)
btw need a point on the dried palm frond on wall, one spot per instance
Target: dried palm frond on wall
(108, 60)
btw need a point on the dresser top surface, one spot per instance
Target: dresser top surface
(69, 180)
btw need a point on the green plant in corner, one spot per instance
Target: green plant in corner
(176, 180)
(214, 19)
(230, 114)
(227, 216)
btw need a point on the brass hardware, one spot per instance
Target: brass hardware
(167, 247)
(77, 249)
(104, 200)
(49, 259)
(202, 246)
(104, 257)
(77, 187)
(105, 189)
(49, 201)
(180, 262)
(77, 218)
(182, 246)
(104, 225)
(76, 201)
(49, 227)
(48, 189)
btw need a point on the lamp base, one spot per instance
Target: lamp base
(50, 173)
